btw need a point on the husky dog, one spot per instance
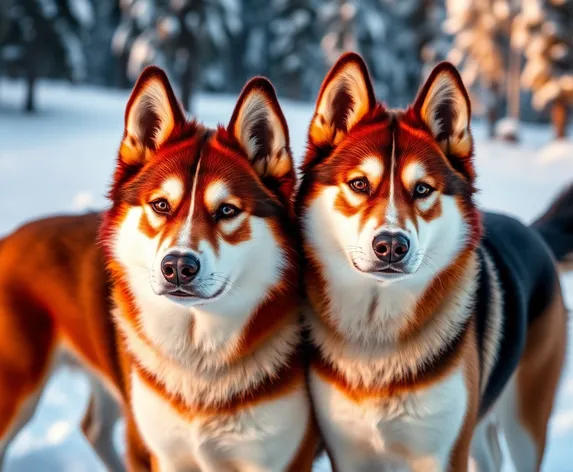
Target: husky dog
(189, 317)
(430, 319)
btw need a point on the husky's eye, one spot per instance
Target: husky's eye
(160, 206)
(360, 185)
(422, 190)
(226, 211)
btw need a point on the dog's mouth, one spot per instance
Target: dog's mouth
(181, 294)
(190, 294)
(382, 269)
(385, 273)
(391, 271)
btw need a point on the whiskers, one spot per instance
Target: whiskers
(219, 280)
(357, 253)
(424, 257)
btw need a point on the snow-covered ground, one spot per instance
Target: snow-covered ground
(61, 160)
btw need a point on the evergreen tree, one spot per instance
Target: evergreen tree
(393, 36)
(252, 51)
(481, 38)
(296, 61)
(338, 18)
(42, 39)
(439, 44)
(102, 65)
(547, 38)
(184, 36)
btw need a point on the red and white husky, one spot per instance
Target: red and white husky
(203, 275)
(431, 321)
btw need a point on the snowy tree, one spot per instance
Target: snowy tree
(296, 61)
(547, 38)
(439, 44)
(43, 39)
(253, 49)
(183, 36)
(338, 18)
(392, 35)
(481, 37)
(4, 4)
(102, 64)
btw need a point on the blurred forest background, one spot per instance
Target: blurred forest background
(515, 55)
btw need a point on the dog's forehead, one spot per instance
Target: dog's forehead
(177, 169)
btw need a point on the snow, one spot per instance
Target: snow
(61, 160)
(507, 128)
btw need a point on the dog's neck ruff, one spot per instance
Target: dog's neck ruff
(213, 378)
(377, 359)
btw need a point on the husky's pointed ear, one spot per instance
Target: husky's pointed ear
(151, 116)
(444, 106)
(260, 128)
(345, 97)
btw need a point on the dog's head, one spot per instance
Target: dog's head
(200, 214)
(388, 194)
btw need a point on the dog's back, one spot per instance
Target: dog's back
(526, 278)
(55, 306)
(521, 330)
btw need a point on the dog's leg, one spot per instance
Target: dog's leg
(24, 413)
(486, 450)
(527, 402)
(98, 423)
(138, 458)
(26, 355)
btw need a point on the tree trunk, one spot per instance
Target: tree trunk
(187, 85)
(559, 117)
(30, 105)
(121, 79)
(492, 115)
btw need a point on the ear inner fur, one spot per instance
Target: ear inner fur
(345, 97)
(152, 114)
(444, 108)
(260, 129)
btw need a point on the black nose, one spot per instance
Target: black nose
(180, 269)
(391, 247)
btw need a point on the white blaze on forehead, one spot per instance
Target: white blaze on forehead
(173, 189)
(391, 213)
(413, 173)
(185, 233)
(216, 193)
(372, 168)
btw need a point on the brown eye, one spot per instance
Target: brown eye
(227, 211)
(360, 185)
(160, 206)
(422, 190)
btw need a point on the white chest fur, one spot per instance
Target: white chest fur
(411, 432)
(260, 438)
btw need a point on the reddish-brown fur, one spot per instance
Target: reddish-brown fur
(333, 155)
(543, 358)
(57, 288)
